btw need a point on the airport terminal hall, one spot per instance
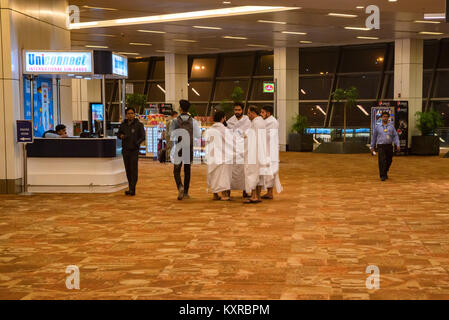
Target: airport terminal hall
(210, 150)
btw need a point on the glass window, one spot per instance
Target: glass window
(444, 58)
(233, 65)
(203, 68)
(265, 67)
(442, 84)
(430, 52)
(257, 93)
(316, 88)
(443, 108)
(427, 75)
(159, 69)
(200, 91)
(155, 94)
(366, 84)
(315, 61)
(389, 93)
(360, 115)
(198, 109)
(109, 88)
(314, 112)
(225, 88)
(138, 70)
(139, 86)
(390, 65)
(362, 59)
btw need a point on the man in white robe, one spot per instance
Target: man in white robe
(219, 157)
(257, 164)
(272, 126)
(239, 123)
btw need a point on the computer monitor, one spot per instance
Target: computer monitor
(96, 117)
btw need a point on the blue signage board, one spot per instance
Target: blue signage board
(24, 131)
(119, 65)
(58, 62)
(43, 104)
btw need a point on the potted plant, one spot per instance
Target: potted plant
(350, 97)
(227, 106)
(428, 143)
(138, 101)
(298, 139)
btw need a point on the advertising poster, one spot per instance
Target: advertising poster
(43, 105)
(401, 124)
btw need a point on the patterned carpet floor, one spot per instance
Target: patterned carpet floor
(314, 241)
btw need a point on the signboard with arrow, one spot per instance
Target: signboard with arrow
(24, 131)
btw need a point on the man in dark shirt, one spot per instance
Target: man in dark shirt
(132, 134)
(185, 122)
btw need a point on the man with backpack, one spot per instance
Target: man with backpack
(183, 127)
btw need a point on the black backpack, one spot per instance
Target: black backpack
(186, 125)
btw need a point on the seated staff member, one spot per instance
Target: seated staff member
(59, 132)
(384, 136)
(132, 134)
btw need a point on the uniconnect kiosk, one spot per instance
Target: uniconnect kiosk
(70, 165)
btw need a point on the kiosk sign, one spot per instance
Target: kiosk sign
(268, 87)
(119, 65)
(24, 131)
(58, 62)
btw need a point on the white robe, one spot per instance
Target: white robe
(219, 158)
(257, 164)
(238, 168)
(272, 126)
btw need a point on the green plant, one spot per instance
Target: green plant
(300, 125)
(428, 121)
(136, 100)
(238, 95)
(349, 96)
(193, 111)
(227, 107)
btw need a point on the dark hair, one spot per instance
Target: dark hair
(385, 113)
(185, 105)
(60, 127)
(238, 104)
(130, 108)
(173, 113)
(254, 109)
(218, 116)
(268, 109)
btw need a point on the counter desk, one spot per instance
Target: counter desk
(75, 165)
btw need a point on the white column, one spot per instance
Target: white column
(176, 79)
(408, 78)
(286, 72)
(23, 27)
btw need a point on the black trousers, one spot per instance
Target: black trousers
(177, 174)
(385, 158)
(131, 160)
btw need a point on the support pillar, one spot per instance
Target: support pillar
(408, 78)
(286, 73)
(176, 79)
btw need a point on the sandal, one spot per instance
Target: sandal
(267, 197)
(250, 201)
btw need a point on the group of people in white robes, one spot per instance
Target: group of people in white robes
(243, 154)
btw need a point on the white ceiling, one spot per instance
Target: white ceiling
(397, 21)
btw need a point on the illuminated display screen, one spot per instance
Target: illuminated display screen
(119, 65)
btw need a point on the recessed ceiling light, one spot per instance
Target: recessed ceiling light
(360, 7)
(204, 27)
(434, 16)
(358, 28)
(184, 40)
(258, 45)
(226, 2)
(342, 15)
(104, 35)
(140, 44)
(294, 32)
(427, 21)
(96, 47)
(274, 22)
(305, 41)
(183, 16)
(129, 53)
(151, 31)
(392, 0)
(100, 8)
(368, 38)
(431, 33)
(235, 38)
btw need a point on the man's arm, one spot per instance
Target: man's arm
(121, 134)
(396, 139)
(141, 134)
(374, 138)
